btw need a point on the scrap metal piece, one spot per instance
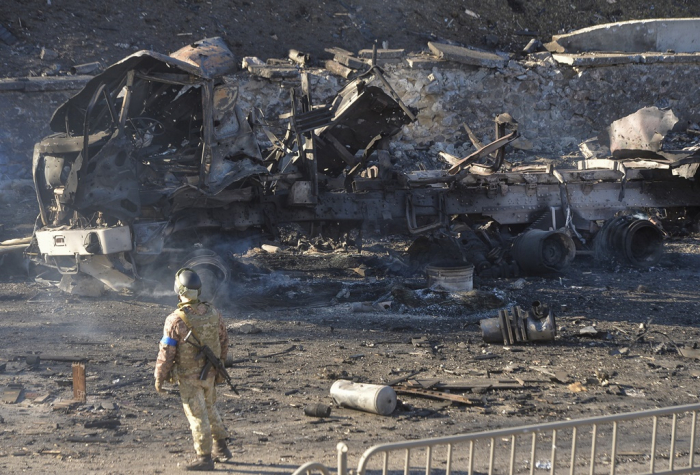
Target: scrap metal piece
(298, 57)
(483, 152)
(86, 68)
(467, 56)
(317, 410)
(455, 278)
(538, 251)
(518, 325)
(362, 116)
(433, 394)
(212, 270)
(640, 134)
(637, 240)
(12, 393)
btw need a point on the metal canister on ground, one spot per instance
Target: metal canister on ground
(317, 410)
(372, 398)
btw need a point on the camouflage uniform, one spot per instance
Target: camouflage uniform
(177, 362)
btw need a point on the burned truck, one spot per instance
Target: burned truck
(154, 158)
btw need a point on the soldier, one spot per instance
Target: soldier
(178, 361)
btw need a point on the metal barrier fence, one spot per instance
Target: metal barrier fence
(632, 443)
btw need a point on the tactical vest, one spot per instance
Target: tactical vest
(206, 328)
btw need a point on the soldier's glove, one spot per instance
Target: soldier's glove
(219, 379)
(159, 386)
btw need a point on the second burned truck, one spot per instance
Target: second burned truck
(155, 155)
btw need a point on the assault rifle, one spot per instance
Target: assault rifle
(212, 361)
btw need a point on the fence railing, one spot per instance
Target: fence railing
(657, 441)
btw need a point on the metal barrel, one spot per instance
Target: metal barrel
(634, 239)
(455, 279)
(537, 251)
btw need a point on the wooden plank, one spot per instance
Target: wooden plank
(382, 53)
(424, 62)
(471, 57)
(273, 72)
(350, 62)
(433, 394)
(336, 68)
(468, 384)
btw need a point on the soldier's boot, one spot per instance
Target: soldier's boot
(220, 452)
(201, 464)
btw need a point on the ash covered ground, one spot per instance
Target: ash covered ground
(294, 332)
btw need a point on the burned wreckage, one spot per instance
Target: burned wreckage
(155, 155)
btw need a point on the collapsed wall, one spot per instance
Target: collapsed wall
(557, 106)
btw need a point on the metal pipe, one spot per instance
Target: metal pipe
(342, 458)
(492, 453)
(533, 449)
(672, 451)
(653, 444)
(593, 440)
(613, 450)
(448, 470)
(512, 455)
(573, 452)
(692, 440)
(428, 459)
(471, 457)
(554, 452)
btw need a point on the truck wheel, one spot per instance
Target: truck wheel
(212, 270)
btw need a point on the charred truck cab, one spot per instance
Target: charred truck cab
(140, 147)
(154, 155)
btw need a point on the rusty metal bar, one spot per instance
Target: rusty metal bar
(482, 152)
(79, 383)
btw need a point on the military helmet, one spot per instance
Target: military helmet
(187, 280)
